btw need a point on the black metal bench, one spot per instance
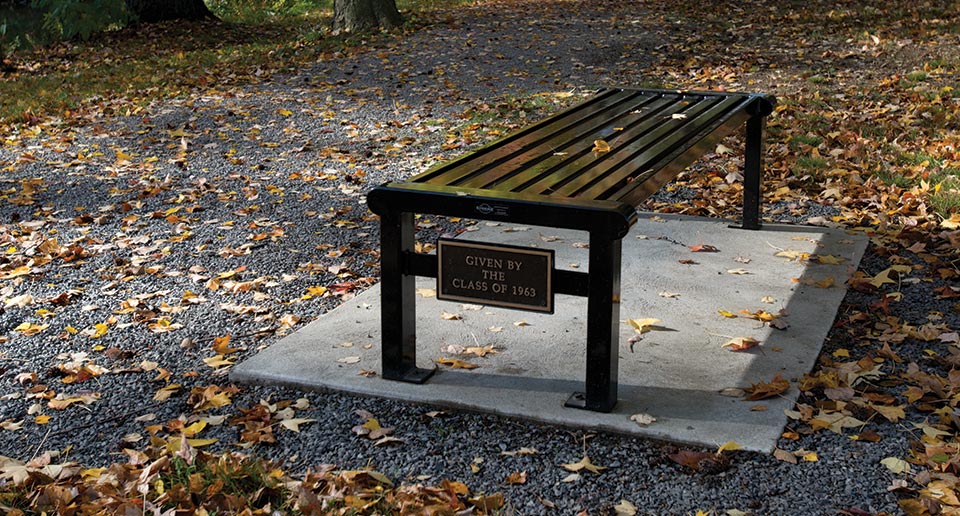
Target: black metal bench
(555, 173)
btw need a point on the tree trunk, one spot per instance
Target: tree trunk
(365, 15)
(150, 11)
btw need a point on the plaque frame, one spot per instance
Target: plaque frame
(543, 281)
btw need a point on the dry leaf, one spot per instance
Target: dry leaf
(643, 325)
(643, 419)
(600, 146)
(625, 508)
(583, 464)
(740, 343)
(703, 248)
(456, 364)
(517, 477)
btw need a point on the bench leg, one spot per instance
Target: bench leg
(752, 171)
(398, 302)
(603, 322)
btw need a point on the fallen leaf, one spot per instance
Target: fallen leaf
(703, 248)
(884, 276)
(456, 364)
(295, 422)
(426, 292)
(521, 451)
(480, 351)
(741, 343)
(729, 446)
(583, 464)
(760, 391)
(643, 419)
(600, 146)
(625, 508)
(643, 325)
(517, 477)
(785, 456)
(896, 465)
(447, 316)
(349, 360)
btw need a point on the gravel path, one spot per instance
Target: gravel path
(140, 239)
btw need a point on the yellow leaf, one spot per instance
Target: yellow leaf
(793, 255)
(884, 276)
(316, 291)
(952, 223)
(583, 464)
(841, 353)
(426, 292)
(811, 457)
(42, 419)
(729, 315)
(295, 422)
(456, 364)
(165, 393)
(195, 428)
(729, 446)
(29, 329)
(643, 325)
(600, 146)
(218, 361)
(896, 465)
(284, 112)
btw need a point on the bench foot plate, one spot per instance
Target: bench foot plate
(579, 400)
(414, 375)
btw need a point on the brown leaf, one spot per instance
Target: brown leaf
(517, 477)
(741, 343)
(456, 364)
(760, 391)
(703, 248)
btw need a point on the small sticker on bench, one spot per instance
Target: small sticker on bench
(497, 275)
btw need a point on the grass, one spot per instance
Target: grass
(261, 36)
(946, 196)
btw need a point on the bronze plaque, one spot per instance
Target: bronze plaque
(496, 275)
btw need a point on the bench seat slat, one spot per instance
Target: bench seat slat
(633, 154)
(599, 124)
(451, 173)
(678, 132)
(538, 177)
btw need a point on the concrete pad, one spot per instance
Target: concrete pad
(675, 372)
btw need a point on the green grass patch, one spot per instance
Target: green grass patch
(919, 159)
(799, 140)
(945, 200)
(160, 61)
(135, 66)
(891, 178)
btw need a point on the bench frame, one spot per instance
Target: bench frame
(606, 221)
